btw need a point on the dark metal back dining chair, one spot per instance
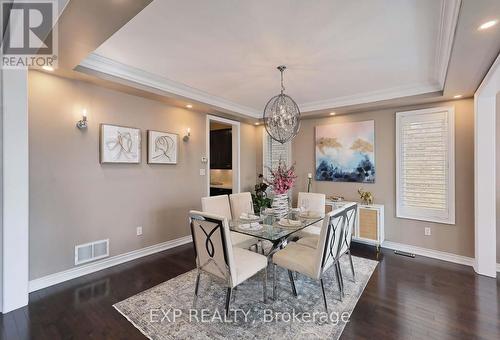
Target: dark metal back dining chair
(216, 256)
(333, 234)
(314, 261)
(351, 214)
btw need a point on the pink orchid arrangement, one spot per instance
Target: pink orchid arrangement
(283, 178)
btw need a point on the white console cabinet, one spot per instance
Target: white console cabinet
(369, 223)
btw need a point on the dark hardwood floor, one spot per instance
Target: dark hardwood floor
(405, 298)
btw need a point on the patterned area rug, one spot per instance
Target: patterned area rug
(165, 311)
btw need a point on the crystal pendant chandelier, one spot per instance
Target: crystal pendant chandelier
(282, 115)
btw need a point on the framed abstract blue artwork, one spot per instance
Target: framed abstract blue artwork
(345, 152)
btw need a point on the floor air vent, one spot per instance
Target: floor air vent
(91, 251)
(404, 253)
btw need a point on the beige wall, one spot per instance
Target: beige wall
(1, 188)
(258, 143)
(74, 199)
(497, 160)
(248, 157)
(457, 239)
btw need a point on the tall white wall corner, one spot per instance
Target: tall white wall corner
(485, 107)
(15, 257)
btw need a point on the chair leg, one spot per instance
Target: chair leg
(324, 294)
(338, 281)
(196, 288)
(264, 284)
(352, 266)
(292, 282)
(341, 278)
(261, 247)
(275, 282)
(228, 299)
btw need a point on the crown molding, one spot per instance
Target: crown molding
(371, 97)
(450, 10)
(132, 76)
(138, 78)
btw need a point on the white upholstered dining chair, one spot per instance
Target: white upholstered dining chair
(314, 262)
(313, 202)
(349, 212)
(216, 256)
(219, 205)
(241, 203)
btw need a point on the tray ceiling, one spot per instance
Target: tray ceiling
(224, 53)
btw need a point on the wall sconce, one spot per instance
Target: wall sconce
(82, 124)
(188, 134)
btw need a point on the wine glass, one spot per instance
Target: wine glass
(264, 213)
(304, 205)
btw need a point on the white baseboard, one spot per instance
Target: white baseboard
(435, 254)
(72, 273)
(52, 279)
(364, 241)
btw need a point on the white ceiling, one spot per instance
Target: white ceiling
(224, 53)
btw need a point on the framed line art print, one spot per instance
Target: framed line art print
(119, 144)
(162, 147)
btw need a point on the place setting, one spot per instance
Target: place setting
(249, 222)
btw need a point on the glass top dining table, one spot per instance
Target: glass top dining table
(269, 229)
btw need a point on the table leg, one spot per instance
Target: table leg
(277, 245)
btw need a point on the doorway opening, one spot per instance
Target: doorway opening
(223, 155)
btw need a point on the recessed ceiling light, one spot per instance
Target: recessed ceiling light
(189, 106)
(457, 96)
(256, 123)
(332, 113)
(48, 68)
(488, 24)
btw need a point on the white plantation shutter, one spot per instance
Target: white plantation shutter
(273, 151)
(425, 166)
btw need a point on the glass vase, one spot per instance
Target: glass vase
(280, 205)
